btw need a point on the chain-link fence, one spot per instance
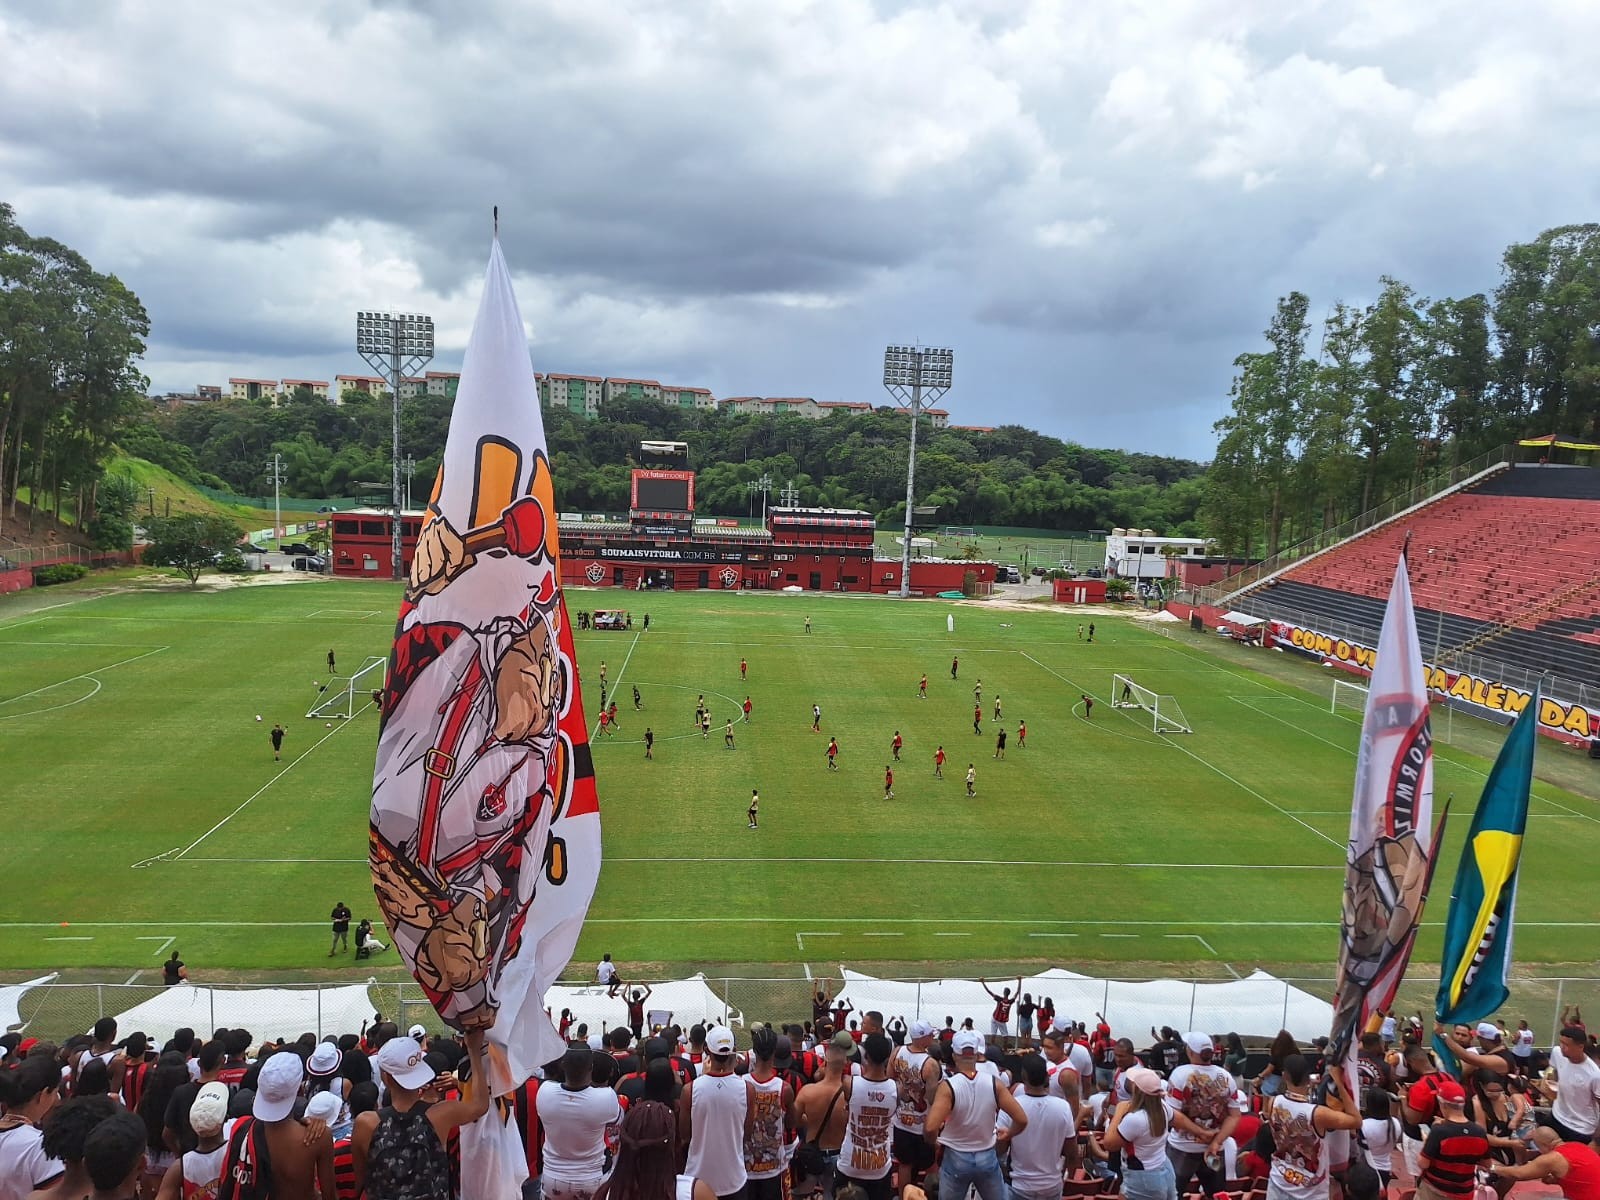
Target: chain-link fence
(60, 1010)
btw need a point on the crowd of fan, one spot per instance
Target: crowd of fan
(864, 1111)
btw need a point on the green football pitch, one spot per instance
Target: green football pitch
(140, 806)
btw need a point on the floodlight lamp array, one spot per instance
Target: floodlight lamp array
(918, 366)
(410, 334)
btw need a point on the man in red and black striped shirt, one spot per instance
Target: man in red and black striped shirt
(1455, 1148)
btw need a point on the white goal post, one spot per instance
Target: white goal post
(1165, 714)
(343, 697)
(1348, 694)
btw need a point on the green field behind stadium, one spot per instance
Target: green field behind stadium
(128, 731)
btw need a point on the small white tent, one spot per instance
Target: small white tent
(275, 1012)
(1257, 1006)
(11, 998)
(690, 1001)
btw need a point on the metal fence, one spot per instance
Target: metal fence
(27, 556)
(1510, 674)
(61, 1010)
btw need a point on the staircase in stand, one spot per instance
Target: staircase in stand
(1528, 617)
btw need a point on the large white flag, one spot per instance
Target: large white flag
(485, 840)
(1389, 860)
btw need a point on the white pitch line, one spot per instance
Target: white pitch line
(623, 669)
(807, 967)
(86, 675)
(910, 862)
(165, 942)
(69, 939)
(984, 921)
(1197, 938)
(1210, 766)
(294, 763)
(39, 712)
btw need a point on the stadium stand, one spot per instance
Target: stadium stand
(1512, 565)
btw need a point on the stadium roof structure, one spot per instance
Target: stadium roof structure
(1551, 439)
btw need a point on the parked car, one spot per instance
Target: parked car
(1008, 575)
(309, 562)
(294, 548)
(1039, 571)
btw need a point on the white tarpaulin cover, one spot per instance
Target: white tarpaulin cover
(274, 1012)
(11, 996)
(1239, 618)
(1257, 1006)
(690, 1001)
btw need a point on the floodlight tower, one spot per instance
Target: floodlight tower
(395, 345)
(915, 376)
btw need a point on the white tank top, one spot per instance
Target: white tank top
(1300, 1163)
(864, 1153)
(717, 1107)
(763, 1144)
(201, 1172)
(913, 1091)
(972, 1114)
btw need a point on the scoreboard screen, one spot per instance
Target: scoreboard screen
(663, 491)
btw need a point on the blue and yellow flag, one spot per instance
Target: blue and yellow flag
(1477, 932)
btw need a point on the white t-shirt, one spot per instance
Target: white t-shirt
(606, 972)
(1036, 1162)
(1387, 1029)
(1149, 1148)
(1523, 1048)
(575, 1130)
(1577, 1104)
(1381, 1137)
(23, 1162)
(1079, 1060)
(717, 1106)
(1205, 1094)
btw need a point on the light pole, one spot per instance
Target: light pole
(410, 466)
(276, 467)
(394, 345)
(762, 485)
(915, 376)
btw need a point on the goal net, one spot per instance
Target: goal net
(343, 696)
(1165, 714)
(1348, 695)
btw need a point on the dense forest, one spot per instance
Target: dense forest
(1330, 419)
(1010, 476)
(70, 341)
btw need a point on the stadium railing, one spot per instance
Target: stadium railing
(1222, 591)
(1510, 674)
(28, 556)
(61, 1010)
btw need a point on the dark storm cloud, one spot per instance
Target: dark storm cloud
(1097, 208)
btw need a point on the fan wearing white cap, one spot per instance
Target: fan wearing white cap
(323, 1079)
(1491, 1053)
(296, 1168)
(400, 1150)
(194, 1171)
(963, 1115)
(712, 1111)
(916, 1074)
(1204, 1093)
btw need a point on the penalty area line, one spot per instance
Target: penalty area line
(1206, 763)
(247, 801)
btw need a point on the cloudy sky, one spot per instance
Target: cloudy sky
(1094, 204)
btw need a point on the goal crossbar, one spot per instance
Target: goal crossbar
(341, 696)
(1166, 716)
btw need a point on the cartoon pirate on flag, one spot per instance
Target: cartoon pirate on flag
(485, 836)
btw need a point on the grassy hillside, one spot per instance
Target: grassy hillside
(164, 491)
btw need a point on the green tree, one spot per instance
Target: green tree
(190, 542)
